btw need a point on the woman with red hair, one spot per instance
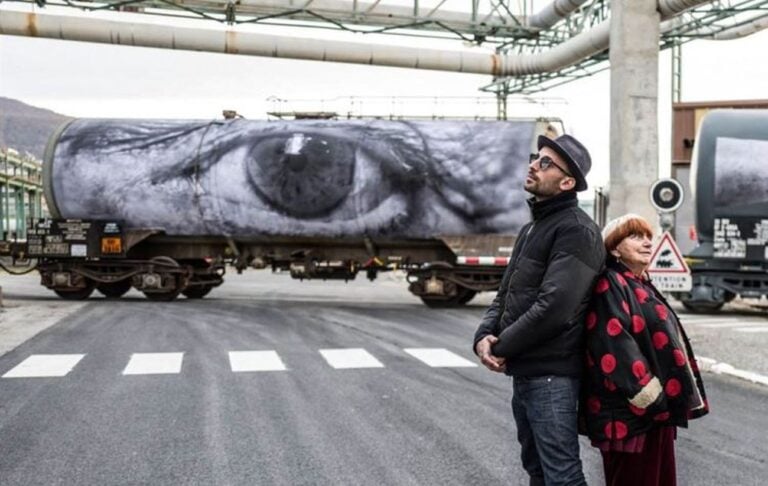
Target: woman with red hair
(642, 380)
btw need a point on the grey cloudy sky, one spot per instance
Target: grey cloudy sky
(92, 80)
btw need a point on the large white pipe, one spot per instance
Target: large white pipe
(356, 12)
(670, 8)
(142, 34)
(56, 26)
(739, 31)
(375, 12)
(553, 13)
(372, 12)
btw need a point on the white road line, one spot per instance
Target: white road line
(723, 324)
(241, 361)
(439, 358)
(731, 319)
(702, 320)
(44, 365)
(154, 364)
(752, 329)
(709, 364)
(350, 358)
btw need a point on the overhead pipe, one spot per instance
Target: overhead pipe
(553, 13)
(357, 12)
(56, 26)
(390, 15)
(737, 30)
(742, 30)
(670, 8)
(64, 27)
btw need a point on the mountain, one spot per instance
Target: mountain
(27, 128)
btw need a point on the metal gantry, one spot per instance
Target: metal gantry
(522, 27)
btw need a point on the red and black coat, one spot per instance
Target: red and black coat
(641, 370)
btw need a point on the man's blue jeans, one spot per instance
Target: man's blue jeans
(545, 410)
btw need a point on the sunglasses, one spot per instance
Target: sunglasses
(545, 162)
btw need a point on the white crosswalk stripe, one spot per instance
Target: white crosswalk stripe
(154, 364)
(241, 361)
(57, 365)
(729, 323)
(350, 358)
(752, 329)
(45, 365)
(715, 319)
(725, 325)
(439, 358)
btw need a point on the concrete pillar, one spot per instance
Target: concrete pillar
(634, 151)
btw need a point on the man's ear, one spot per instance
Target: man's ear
(567, 184)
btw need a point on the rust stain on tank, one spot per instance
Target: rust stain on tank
(230, 42)
(32, 24)
(495, 64)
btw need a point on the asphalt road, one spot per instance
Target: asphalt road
(315, 422)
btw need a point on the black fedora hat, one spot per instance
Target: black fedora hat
(575, 155)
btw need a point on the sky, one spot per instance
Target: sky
(95, 80)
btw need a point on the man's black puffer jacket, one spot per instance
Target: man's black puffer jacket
(539, 308)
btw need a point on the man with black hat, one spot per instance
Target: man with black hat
(533, 330)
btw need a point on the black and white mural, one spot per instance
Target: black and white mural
(295, 178)
(741, 173)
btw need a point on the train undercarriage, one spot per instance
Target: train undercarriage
(77, 258)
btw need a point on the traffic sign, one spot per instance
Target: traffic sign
(668, 269)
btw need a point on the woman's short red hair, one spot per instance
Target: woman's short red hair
(630, 224)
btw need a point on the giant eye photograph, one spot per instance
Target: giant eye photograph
(308, 178)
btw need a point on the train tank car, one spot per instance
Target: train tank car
(442, 200)
(729, 178)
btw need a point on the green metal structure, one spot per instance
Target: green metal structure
(21, 194)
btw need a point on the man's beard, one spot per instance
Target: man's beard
(539, 189)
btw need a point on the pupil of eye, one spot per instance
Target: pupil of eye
(296, 163)
(301, 174)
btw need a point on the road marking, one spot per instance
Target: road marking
(705, 322)
(725, 318)
(752, 329)
(44, 365)
(726, 324)
(439, 358)
(241, 361)
(154, 364)
(350, 358)
(723, 325)
(709, 364)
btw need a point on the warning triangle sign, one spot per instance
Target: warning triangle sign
(666, 257)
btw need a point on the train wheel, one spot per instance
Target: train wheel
(169, 294)
(700, 307)
(114, 290)
(463, 295)
(77, 294)
(197, 292)
(468, 295)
